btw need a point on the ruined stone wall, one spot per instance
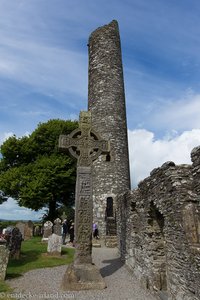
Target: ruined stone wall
(106, 101)
(159, 233)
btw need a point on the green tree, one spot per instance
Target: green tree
(34, 172)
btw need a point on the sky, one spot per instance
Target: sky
(44, 73)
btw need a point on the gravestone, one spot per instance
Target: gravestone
(47, 230)
(57, 227)
(21, 227)
(54, 245)
(15, 243)
(4, 257)
(28, 230)
(85, 145)
(7, 234)
(37, 230)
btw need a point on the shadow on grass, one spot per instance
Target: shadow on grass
(13, 276)
(16, 266)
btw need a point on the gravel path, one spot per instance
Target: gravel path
(45, 283)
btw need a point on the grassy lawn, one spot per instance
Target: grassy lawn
(33, 256)
(4, 291)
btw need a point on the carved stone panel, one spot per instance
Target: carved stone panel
(83, 225)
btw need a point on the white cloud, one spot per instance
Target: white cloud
(44, 67)
(11, 211)
(146, 153)
(5, 136)
(180, 114)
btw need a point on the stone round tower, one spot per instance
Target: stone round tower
(106, 101)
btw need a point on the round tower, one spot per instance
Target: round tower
(106, 101)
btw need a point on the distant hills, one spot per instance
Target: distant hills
(6, 220)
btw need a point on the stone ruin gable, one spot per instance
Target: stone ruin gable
(154, 240)
(106, 101)
(195, 157)
(124, 228)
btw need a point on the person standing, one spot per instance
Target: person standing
(64, 231)
(95, 231)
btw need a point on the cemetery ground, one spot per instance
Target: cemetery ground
(45, 282)
(33, 256)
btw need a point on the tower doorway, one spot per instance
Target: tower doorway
(110, 217)
(109, 207)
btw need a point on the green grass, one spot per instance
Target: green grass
(4, 287)
(33, 256)
(4, 291)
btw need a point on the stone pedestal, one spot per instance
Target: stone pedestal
(82, 277)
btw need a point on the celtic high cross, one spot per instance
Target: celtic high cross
(85, 145)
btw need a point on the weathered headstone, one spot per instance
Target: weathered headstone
(47, 230)
(21, 227)
(86, 145)
(15, 243)
(57, 227)
(54, 245)
(37, 230)
(7, 234)
(28, 230)
(4, 256)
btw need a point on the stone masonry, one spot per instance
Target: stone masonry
(159, 232)
(106, 101)
(4, 257)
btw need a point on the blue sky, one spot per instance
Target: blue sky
(44, 64)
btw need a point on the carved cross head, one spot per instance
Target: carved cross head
(84, 143)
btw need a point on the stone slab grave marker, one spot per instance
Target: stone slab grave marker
(85, 145)
(21, 227)
(28, 230)
(15, 243)
(47, 230)
(57, 227)
(54, 245)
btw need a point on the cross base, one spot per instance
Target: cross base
(82, 277)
